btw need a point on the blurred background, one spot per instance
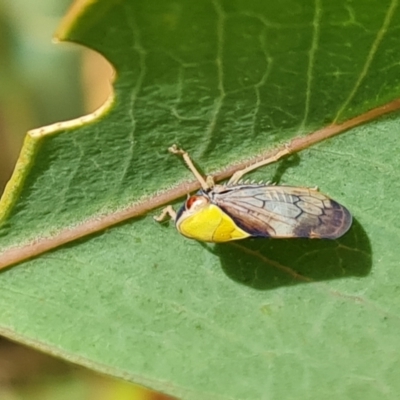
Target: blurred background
(42, 83)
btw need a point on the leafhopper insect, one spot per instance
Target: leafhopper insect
(237, 210)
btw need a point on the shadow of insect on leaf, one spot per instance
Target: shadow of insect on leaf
(271, 263)
(284, 165)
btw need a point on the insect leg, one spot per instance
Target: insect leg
(239, 174)
(205, 184)
(167, 211)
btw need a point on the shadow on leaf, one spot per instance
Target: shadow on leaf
(271, 263)
(283, 166)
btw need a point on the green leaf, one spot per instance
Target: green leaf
(226, 80)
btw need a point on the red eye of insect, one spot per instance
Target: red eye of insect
(194, 202)
(190, 201)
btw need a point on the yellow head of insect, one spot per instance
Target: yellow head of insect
(202, 220)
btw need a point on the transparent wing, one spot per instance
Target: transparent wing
(282, 211)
